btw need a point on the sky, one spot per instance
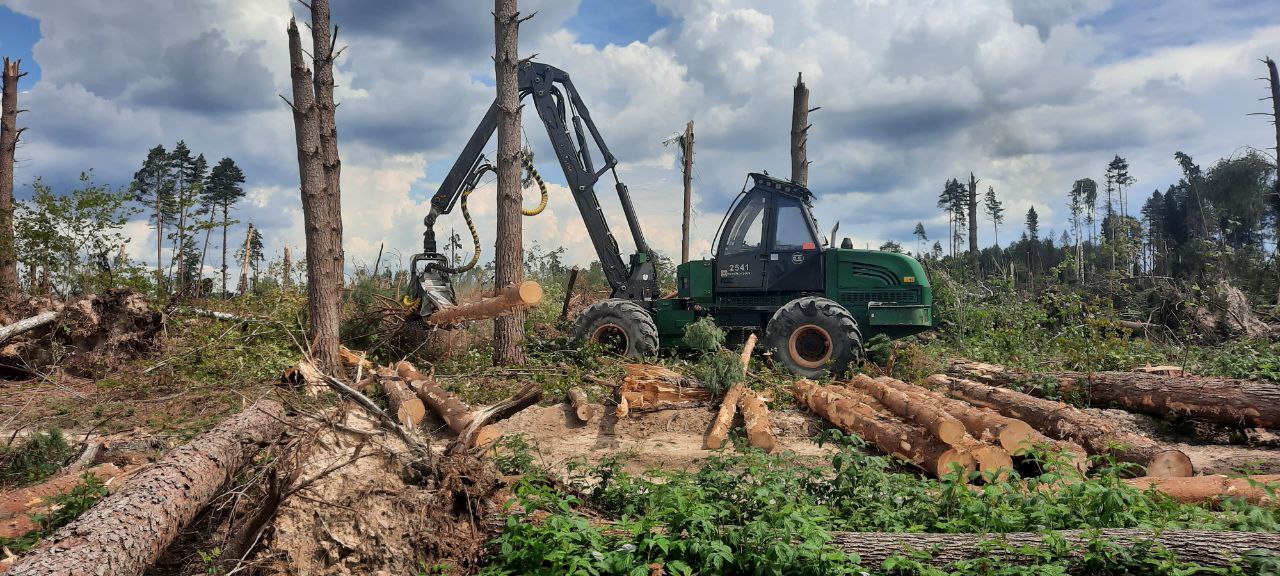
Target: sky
(1029, 95)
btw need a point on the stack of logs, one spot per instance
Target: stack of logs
(960, 424)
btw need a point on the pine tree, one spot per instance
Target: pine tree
(221, 191)
(921, 237)
(1033, 224)
(995, 211)
(153, 186)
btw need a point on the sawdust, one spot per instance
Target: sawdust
(367, 516)
(669, 439)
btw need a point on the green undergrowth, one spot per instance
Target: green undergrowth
(35, 458)
(62, 510)
(751, 513)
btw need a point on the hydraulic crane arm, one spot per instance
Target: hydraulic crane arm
(558, 103)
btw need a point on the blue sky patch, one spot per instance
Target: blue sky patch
(18, 34)
(604, 22)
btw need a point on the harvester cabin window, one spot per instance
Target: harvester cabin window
(791, 231)
(746, 232)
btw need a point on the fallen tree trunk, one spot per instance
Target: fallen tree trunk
(405, 405)
(1199, 489)
(511, 298)
(584, 409)
(649, 387)
(719, 432)
(747, 349)
(457, 415)
(27, 325)
(125, 532)
(1203, 547)
(755, 419)
(1058, 420)
(907, 441)
(1015, 436)
(1222, 400)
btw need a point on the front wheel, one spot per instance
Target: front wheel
(812, 335)
(619, 326)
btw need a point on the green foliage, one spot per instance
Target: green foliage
(751, 513)
(72, 236)
(704, 335)
(62, 510)
(511, 455)
(718, 370)
(38, 457)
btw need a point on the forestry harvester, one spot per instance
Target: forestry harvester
(771, 272)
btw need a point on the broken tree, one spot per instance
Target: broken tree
(509, 300)
(800, 132)
(125, 533)
(508, 264)
(473, 426)
(1222, 400)
(319, 170)
(1058, 420)
(9, 134)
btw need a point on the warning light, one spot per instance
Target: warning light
(908, 279)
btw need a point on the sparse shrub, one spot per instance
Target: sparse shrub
(37, 458)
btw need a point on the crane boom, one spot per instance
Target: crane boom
(558, 104)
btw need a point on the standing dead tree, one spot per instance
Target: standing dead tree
(973, 227)
(319, 169)
(686, 153)
(1273, 78)
(508, 261)
(800, 132)
(9, 134)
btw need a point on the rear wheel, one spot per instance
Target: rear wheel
(812, 335)
(619, 326)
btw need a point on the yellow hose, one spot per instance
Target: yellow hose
(527, 160)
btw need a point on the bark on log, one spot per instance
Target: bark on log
(511, 298)
(755, 419)
(1227, 401)
(405, 406)
(1198, 489)
(719, 432)
(907, 441)
(480, 432)
(1206, 548)
(27, 325)
(125, 532)
(747, 349)
(584, 409)
(1058, 420)
(1015, 436)
(457, 415)
(926, 414)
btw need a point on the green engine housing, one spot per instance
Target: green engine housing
(887, 293)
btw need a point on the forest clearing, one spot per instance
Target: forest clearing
(1104, 402)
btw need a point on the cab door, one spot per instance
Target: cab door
(741, 255)
(795, 259)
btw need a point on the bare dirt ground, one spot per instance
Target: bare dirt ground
(668, 439)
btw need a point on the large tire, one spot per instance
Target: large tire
(620, 325)
(812, 336)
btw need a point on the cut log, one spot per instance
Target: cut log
(927, 414)
(404, 404)
(904, 440)
(511, 298)
(719, 432)
(125, 532)
(747, 349)
(1227, 401)
(585, 410)
(27, 325)
(353, 359)
(481, 432)
(1202, 547)
(1200, 489)
(1015, 436)
(649, 387)
(755, 419)
(1058, 420)
(457, 415)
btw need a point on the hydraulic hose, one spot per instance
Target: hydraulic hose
(526, 160)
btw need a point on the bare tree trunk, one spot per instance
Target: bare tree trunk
(973, 227)
(244, 264)
(204, 251)
(127, 531)
(9, 134)
(318, 168)
(1274, 79)
(686, 149)
(508, 331)
(800, 133)
(286, 276)
(225, 224)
